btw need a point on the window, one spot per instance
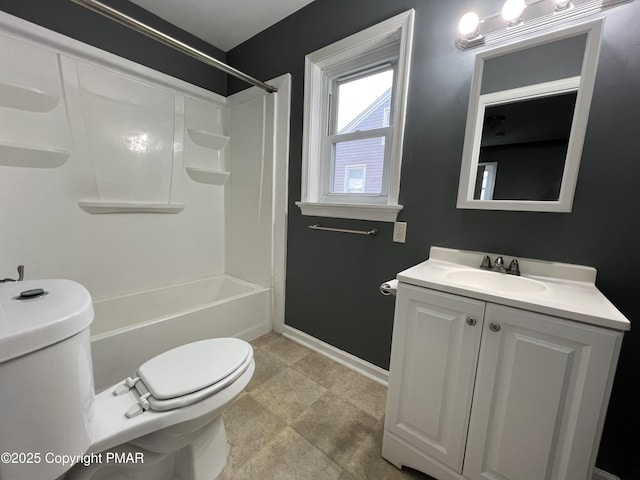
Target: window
(357, 131)
(355, 102)
(487, 180)
(386, 116)
(354, 178)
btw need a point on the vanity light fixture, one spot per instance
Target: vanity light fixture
(520, 17)
(469, 30)
(512, 11)
(562, 5)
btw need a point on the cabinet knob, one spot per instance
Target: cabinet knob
(494, 327)
(471, 321)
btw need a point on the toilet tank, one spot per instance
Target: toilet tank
(46, 377)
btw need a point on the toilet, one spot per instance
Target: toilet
(164, 422)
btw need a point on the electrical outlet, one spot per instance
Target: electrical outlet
(399, 232)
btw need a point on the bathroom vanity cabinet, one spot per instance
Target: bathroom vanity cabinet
(479, 390)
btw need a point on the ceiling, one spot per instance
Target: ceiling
(222, 23)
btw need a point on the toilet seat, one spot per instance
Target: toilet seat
(187, 374)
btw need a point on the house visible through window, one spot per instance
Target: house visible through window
(386, 116)
(355, 103)
(354, 178)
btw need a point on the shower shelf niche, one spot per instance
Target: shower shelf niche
(14, 155)
(26, 98)
(207, 175)
(99, 207)
(208, 139)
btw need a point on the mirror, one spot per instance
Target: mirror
(527, 117)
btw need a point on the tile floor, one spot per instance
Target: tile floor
(304, 416)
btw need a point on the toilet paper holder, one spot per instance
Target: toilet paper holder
(390, 287)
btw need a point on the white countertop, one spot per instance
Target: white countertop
(570, 290)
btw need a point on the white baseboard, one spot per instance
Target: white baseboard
(602, 475)
(363, 367)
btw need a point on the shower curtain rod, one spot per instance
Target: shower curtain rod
(140, 27)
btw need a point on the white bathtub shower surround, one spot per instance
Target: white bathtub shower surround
(130, 329)
(205, 144)
(154, 155)
(256, 225)
(130, 128)
(34, 132)
(96, 92)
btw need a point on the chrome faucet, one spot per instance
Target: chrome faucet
(514, 268)
(486, 263)
(498, 266)
(20, 276)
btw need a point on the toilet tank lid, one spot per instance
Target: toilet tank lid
(32, 323)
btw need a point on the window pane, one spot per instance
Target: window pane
(362, 102)
(358, 166)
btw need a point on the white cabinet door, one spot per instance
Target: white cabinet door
(436, 339)
(541, 385)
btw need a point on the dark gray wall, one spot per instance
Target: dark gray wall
(75, 21)
(332, 279)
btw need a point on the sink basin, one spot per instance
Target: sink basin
(494, 281)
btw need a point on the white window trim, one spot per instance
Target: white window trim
(398, 28)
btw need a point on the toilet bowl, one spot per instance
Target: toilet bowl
(164, 422)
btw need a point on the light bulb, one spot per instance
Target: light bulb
(512, 11)
(468, 26)
(562, 4)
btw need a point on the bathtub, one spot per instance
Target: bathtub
(130, 329)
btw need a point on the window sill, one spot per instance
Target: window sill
(378, 213)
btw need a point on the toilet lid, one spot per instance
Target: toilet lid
(192, 367)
